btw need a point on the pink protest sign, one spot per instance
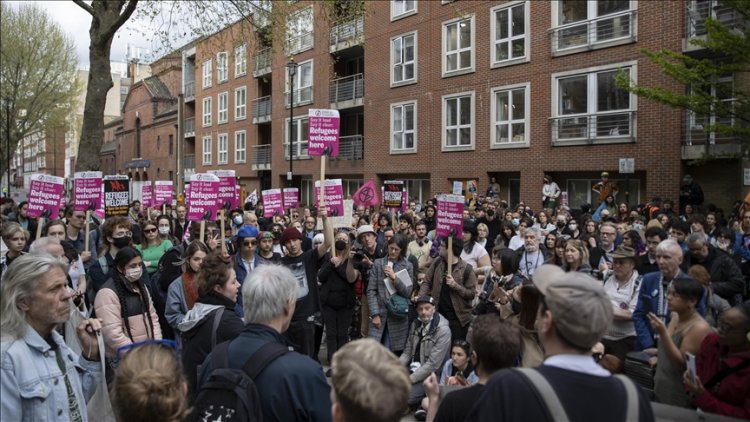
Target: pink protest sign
(291, 198)
(323, 132)
(87, 189)
(99, 212)
(203, 194)
(366, 195)
(450, 215)
(147, 195)
(334, 200)
(162, 193)
(228, 198)
(273, 203)
(45, 195)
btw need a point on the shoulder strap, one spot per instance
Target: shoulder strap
(729, 370)
(263, 357)
(632, 397)
(220, 356)
(544, 391)
(217, 320)
(103, 264)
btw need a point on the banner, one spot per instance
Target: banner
(393, 192)
(147, 195)
(116, 195)
(273, 202)
(203, 197)
(228, 197)
(45, 196)
(87, 191)
(163, 193)
(366, 195)
(334, 197)
(291, 198)
(450, 215)
(323, 132)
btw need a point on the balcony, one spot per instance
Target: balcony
(190, 127)
(605, 31)
(262, 110)
(347, 92)
(299, 43)
(189, 91)
(350, 148)
(696, 13)
(262, 62)
(697, 141)
(302, 96)
(600, 128)
(261, 157)
(189, 165)
(346, 34)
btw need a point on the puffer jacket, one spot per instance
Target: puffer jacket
(434, 349)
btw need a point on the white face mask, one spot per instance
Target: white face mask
(163, 230)
(133, 274)
(573, 227)
(238, 220)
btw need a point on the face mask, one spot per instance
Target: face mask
(573, 227)
(637, 226)
(163, 230)
(490, 212)
(561, 224)
(516, 221)
(121, 242)
(237, 220)
(340, 245)
(133, 274)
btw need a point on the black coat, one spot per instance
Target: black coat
(336, 291)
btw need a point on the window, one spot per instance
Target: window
(458, 46)
(702, 127)
(240, 103)
(299, 137)
(590, 106)
(223, 100)
(171, 144)
(350, 186)
(403, 127)
(404, 53)
(207, 111)
(207, 70)
(240, 60)
(458, 121)
(222, 68)
(240, 146)
(207, 150)
(418, 190)
(510, 111)
(302, 84)
(582, 24)
(402, 8)
(509, 41)
(579, 191)
(299, 31)
(223, 148)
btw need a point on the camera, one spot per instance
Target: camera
(483, 305)
(359, 253)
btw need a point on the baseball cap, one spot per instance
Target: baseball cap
(290, 233)
(365, 228)
(425, 299)
(581, 309)
(247, 231)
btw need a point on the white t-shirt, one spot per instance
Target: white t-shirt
(477, 252)
(625, 297)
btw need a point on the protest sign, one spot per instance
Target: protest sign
(323, 132)
(366, 195)
(273, 203)
(147, 195)
(163, 193)
(450, 215)
(228, 198)
(334, 197)
(393, 191)
(291, 198)
(87, 191)
(116, 195)
(45, 196)
(203, 197)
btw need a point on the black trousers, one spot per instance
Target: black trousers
(458, 331)
(337, 322)
(301, 334)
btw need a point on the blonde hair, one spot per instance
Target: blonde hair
(581, 248)
(369, 382)
(149, 386)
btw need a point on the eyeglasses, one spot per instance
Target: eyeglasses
(163, 342)
(608, 234)
(249, 243)
(151, 230)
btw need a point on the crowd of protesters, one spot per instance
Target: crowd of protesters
(413, 323)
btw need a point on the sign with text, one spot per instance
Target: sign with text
(273, 203)
(203, 196)
(45, 196)
(450, 215)
(228, 198)
(334, 200)
(393, 193)
(291, 197)
(344, 220)
(627, 165)
(323, 132)
(458, 186)
(147, 195)
(163, 193)
(116, 195)
(87, 190)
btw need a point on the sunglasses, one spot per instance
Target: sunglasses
(171, 344)
(249, 243)
(151, 230)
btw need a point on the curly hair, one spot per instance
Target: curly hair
(213, 273)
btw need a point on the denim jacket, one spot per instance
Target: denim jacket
(33, 388)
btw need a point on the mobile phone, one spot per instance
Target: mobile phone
(690, 364)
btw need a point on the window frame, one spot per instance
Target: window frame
(237, 149)
(301, 139)
(222, 67)
(414, 131)
(293, 32)
(222, 114)
(297, 84)
(414, 61)
(526, 121)
(471, 125)
(222, 154)
(494, 62)
(396, 15)
(444, 46)
(207, 73)
(240, 60)
(240, 110)
(207, 117)
(207, 155)
(556, 10)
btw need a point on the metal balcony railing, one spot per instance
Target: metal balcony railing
(588, 33)
(262, 62)
(697, 130)
(189, 127)
(347, 88)
(190, 91)
(262, 109)
(189, 162)
(347, 32)
(611, 125)
(261, 157)
(351, 147)
(698, 11)
(302, 96)
(299, 43)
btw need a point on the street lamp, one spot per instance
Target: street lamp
(292, 67)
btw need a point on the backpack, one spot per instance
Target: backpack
(230, 394)
(166, 271)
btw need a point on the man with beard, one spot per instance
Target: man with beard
(265, 252)
(532, 257)
(419, 248)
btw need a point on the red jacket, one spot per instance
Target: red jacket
(731, 396)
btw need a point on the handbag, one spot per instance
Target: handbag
(99, 407)
(398, 306)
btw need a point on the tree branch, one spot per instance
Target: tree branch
(85, 7)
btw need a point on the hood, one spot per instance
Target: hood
(196, 315)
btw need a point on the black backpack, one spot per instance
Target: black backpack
(230, 394)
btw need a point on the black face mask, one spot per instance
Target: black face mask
(121, 242)
(340, 245)
(490, 212)
(561, 224)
